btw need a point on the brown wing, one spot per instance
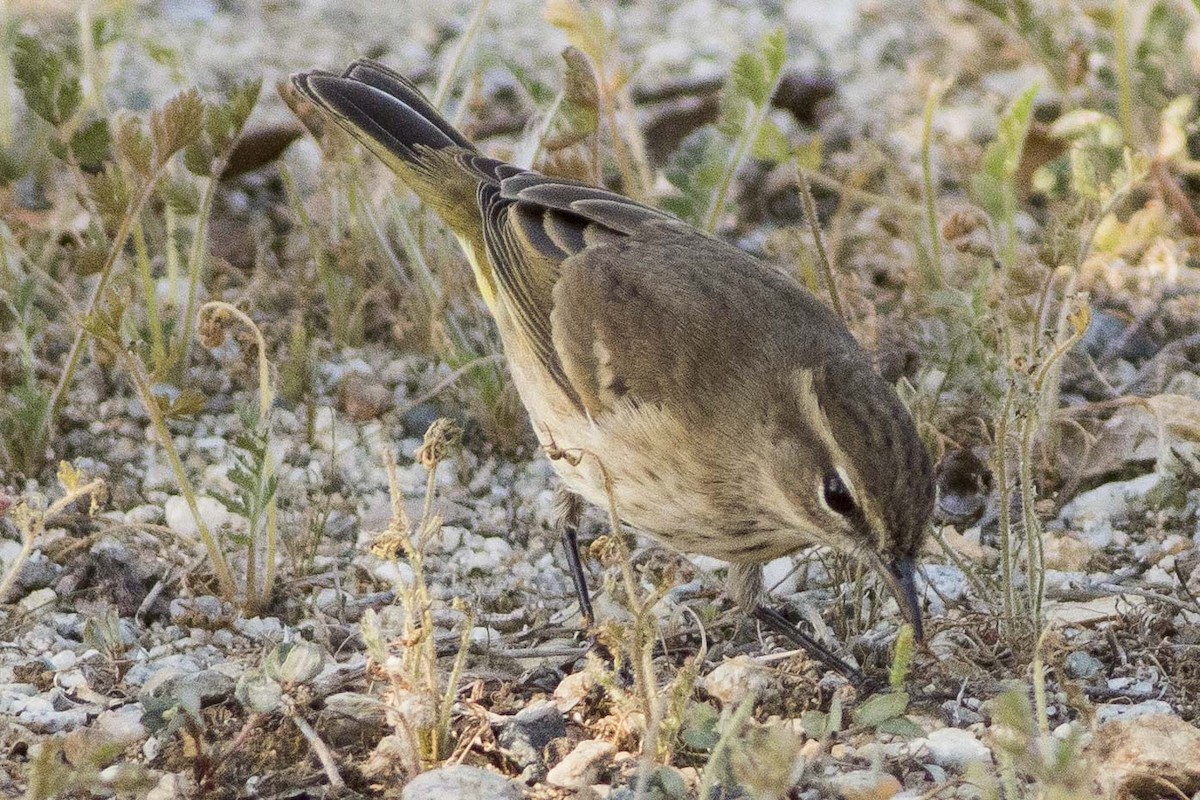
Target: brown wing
(531, 224)
(670, 315)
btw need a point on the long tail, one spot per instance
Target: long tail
(388, 114)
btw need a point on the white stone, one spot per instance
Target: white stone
(460, 782)
(955, 749)
(582, 766)
(179, 516)
(37, 600)
(1108, 712)
(734, 680)
(1092, 513)
(64, 659)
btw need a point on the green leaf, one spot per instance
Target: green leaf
(815, 724)
(579, 114)
(258, 692)
(994, 183)
(901, 726)
(770, 144)
(176, 124)
(92, 145)
(134, 146)
(699, 731)
(47, 78)
(879, 708)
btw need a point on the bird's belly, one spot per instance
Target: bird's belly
(643, 462)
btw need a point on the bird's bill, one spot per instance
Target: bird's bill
(901, 575)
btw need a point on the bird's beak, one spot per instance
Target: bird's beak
(901, 578)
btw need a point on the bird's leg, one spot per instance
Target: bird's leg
(746, 589)
(568, 510)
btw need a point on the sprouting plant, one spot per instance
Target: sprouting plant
(273, 689)
(704, 168)
(254, 469)
(594, 37)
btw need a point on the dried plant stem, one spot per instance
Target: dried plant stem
(1120, 23)
(336, 784)
(442, 92)
(198, 258)
(938, 270)
(142, 385)
(810, 214)
(35, 524)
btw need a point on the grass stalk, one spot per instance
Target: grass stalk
(158, 342)
(937, 272)
(810, 214)
(141, 385)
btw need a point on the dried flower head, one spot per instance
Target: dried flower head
(214, 322)
(441, 437)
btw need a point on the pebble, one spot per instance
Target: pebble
(38, 600)
(865, 784)
(1093, 513)
(734, 680)
(460, 783)
(1124, 712)
(955, 749)
(525, 735)
(178, 515)
(1082, 666)
(583, 765)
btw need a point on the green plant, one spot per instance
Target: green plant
(704, 168)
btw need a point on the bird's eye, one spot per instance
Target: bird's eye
(837, 495)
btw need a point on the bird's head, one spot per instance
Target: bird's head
(850, 472)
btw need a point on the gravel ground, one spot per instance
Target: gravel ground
(122, 673)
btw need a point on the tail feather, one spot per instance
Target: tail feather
(388, 114)
(393, 83)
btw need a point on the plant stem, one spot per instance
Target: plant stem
(150, 296)
(142, 385)
(810, 213)
(937, 273)
(1124, 78)
(82, 336)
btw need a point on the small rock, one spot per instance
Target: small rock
(1123, 712)
(178, 515)
(1089, 612)
(583, 765)
(734, 680)
(362, 399)
(525, 736)
(864, 784)
(1082, 666)
(954, 749)
(39, 600)
(206, 612)
(1145, 755)
(572, 690)
(1066, 553)
(1092, 513)
(460, 783)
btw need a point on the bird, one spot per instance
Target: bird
(722, 407)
